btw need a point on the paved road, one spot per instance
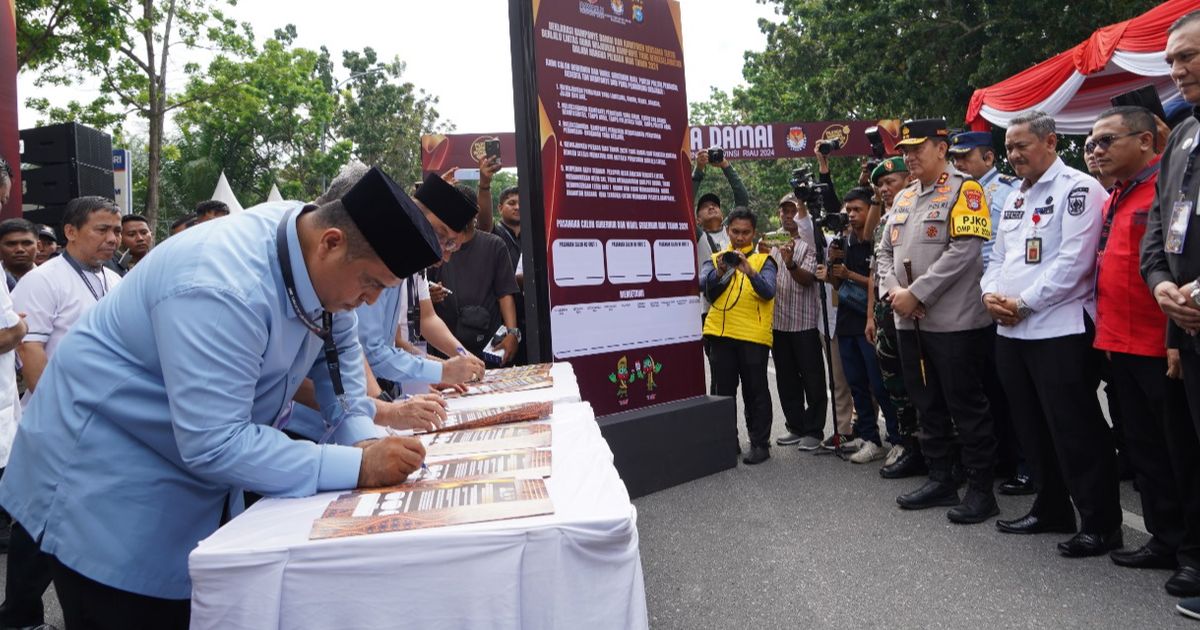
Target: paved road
(806, 541)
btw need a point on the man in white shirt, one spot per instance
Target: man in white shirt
(1039, 287)
(54, 296)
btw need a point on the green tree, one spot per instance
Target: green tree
(830, 59)
(128, 45)
(261, 120)
(384, 116)
(53, 32)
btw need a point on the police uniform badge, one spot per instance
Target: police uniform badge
(1077, 201)
(1019, 202)
(943, 179)
(974, 199)
(895, 235)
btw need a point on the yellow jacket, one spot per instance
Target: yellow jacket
(740, 312)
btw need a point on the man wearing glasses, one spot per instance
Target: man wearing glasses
(1039, 288)
(1131, 329)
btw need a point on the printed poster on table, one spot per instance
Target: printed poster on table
(621, 258)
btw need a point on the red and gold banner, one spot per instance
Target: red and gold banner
(769, 141)
(442, 152)
(10, 146)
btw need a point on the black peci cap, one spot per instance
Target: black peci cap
(392, 224)
(444, 200)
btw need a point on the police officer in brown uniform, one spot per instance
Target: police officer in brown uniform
(929, 266)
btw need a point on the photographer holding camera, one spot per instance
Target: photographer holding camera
(740, 285)
(848, 268)
(710, 223)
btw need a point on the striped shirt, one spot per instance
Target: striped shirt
(796, 307)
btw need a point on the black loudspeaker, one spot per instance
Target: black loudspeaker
(75, 161)
(64, 143)
(56, 184)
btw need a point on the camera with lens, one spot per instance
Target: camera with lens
(876, 140)
(812, 194)
(731, 259)
(829, 146)
(716, 155)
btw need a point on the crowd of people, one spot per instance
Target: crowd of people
(978, 313)
(296, 347)
(229, 316)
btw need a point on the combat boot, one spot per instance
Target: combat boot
(978, 504)
(938, 491)
(909, 464)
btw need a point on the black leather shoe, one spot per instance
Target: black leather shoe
(932, 494)
(978, 504)
(1143, 558)
(1185, 582)
(1016, 486)
(757, 455)
(910, 464)
(1030, 524)
(1083, 544)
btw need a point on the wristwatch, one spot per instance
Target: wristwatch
(1023, 310)
(516, 332)
(1196, 293)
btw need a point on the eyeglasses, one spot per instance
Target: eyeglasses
(1103, 142)
(449, 244)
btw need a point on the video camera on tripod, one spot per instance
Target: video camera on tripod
(812, 193)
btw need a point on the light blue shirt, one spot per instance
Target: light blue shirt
(377, 325)
(158, 404)
(997, 187)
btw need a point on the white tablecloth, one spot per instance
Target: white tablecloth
(576, 568)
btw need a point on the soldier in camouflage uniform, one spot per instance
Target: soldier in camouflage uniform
(905, 459)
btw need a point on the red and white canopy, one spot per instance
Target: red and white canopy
(1075, 86)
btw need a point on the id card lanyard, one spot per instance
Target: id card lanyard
(103, 281)
(1181, 210)
(324, 330)
(1033, 244)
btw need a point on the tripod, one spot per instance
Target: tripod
(816, 214)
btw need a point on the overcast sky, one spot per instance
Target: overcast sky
(458, 50)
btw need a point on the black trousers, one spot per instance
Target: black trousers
(735, 360)
(1051, 386)
(28, 578)
(1191, 382)
(90, 605)
(1008, 449)
(951, 396)
(1164, 452)
(800, 379)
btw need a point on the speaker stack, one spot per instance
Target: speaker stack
(72, 161)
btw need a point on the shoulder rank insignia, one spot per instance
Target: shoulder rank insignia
(1007, 179)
